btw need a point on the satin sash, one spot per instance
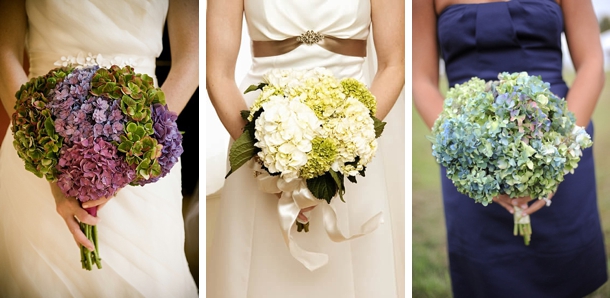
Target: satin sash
(347, 47)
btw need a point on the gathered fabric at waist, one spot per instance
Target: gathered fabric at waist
(42, 62)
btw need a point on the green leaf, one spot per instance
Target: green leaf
(338, 177)
(379, 125)
(250, 127)
(241, 151)
(255, 87)
(323, 187)
(245, 114)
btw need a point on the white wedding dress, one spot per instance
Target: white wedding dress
(141, 232)
(248, 256)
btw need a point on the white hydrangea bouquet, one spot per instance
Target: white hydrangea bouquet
(512, 136)
(307, 128)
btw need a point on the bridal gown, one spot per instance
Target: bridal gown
(566, 255)
(141, 233)
(248, 256)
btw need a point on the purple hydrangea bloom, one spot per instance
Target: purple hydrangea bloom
(91, 169)
(168, 135)
(77, 113)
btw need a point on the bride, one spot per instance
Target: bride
(141, 229)
(248, 256)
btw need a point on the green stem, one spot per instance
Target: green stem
(96, 254)
(88, 253)
(83, 258)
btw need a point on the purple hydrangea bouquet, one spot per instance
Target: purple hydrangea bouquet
(93, 131)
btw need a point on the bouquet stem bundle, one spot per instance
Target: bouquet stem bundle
(522, 225)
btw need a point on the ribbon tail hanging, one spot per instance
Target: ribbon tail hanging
(288, 212)
(335, 233)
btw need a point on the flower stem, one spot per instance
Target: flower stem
(522, 226)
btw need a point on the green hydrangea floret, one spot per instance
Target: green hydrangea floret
(320, 159)
(356, 89)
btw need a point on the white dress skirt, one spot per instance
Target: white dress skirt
(248, 256)
(141, 232)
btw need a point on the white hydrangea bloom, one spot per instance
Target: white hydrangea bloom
(355, 135)
(284, 131)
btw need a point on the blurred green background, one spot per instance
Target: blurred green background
(430, 275)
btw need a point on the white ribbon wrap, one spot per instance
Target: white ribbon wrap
(296, 196)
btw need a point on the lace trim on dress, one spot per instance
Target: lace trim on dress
(82, 60)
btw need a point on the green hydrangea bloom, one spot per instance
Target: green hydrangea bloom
(320, 158)
(36, 140)
(356, 89)
(323, 96)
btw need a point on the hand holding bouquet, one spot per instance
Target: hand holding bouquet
(93, 131)
(512, 136)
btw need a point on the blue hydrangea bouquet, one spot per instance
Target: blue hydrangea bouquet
(512, 136)
(93, 131)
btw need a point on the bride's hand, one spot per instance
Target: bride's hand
(69, 209)
(99, 203)
(301, 216)
(522, 202)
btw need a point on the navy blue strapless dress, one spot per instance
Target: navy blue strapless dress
(566, 255)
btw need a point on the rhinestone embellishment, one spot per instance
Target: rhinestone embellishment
(310, 37)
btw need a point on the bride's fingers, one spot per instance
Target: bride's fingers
(521, 202)
(534, 207)
(94, 203)
(78, 235)
(504, 204)
(307, 209)
(83, 216)
(302, 217)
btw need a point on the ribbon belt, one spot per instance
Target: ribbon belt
(346, 47)
(296, 196)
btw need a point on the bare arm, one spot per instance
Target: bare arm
(582, 34)
(427, 98)
(12, 43)
(183, 30)
(389, 36)
(223, 31)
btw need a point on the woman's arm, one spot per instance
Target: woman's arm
(12, 44)
(12, 76)
(426, 96)
(388, 20)
(183, 30)
(582, 34)
(223, 31)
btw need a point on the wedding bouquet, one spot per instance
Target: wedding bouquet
(512, 136)
(310, 129)
(93, 131)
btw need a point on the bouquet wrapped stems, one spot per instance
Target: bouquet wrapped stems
(522, 225)
(88, 258)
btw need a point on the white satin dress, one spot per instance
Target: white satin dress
(141, 232)
(248, 256)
